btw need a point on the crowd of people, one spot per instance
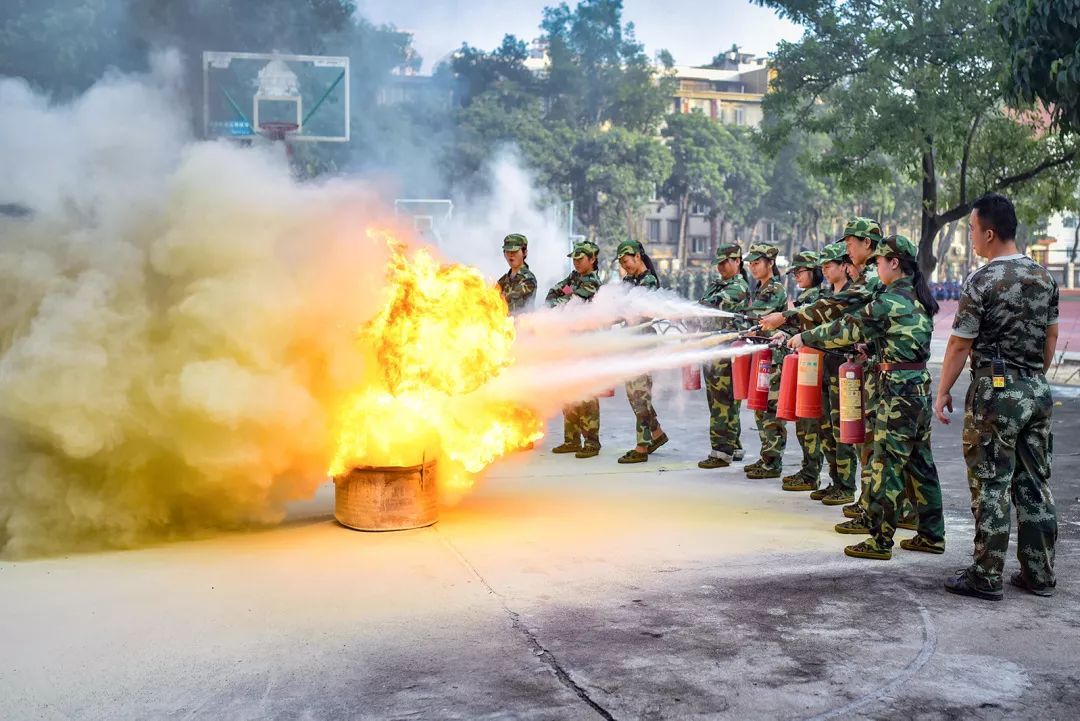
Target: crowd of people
(865, 296)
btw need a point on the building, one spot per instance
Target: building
(729, 90)
(1056, 247)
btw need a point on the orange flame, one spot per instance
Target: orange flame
(441, 335)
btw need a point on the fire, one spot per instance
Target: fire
(441, 335)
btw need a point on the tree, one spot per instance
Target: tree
(503, 70)
(914, 86)
(699, 170)
(1044, 47)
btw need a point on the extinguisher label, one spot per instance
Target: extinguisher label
(850, 400)
(808, 370)
(763, 378)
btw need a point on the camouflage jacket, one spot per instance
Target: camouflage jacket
(770, 296)
(854, 296)
(583, 286)
(1008, 304)
(806, 297)
(896, 323)
(645, 280)
(518, 290)
(729, 295)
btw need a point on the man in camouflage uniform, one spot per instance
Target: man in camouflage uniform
(807, 430)
(900, 327)
(728, 292)
(770, 297)
(650, 436)
(581, 421)
(1006, 322)
(518, 286)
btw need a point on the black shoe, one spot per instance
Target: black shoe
(962, 584)
(1018, 580)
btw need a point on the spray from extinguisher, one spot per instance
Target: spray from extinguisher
(852, 419)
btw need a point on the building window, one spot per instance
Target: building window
(673, 231)
(697, 209)
(1069, 221)
(654, 231)
(698, 244)
(740, 116)
(770, 233)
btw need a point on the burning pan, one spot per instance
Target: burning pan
(394, 498)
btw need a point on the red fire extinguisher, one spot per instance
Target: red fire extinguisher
(789, 375)
(808, 393)
(691, 378)
(852, 419)
(740, 375)
(758, 395)
(609, 393)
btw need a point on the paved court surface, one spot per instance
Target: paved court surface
(559, 589)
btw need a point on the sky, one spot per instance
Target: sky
(693, 30)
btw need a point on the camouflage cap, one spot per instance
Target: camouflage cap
(863, 228)
(898, 245)
(804, 259)
(833, 252)
(728, 250)
(629, 247)
(515, 241)
(583, 249)
(762, 250)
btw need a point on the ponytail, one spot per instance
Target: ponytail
(649, 264)
(922, 290)
(819, 277)
(775, 270)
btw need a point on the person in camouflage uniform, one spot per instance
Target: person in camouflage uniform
(640, 272)
(899, 321)
(1006, 322)
(728, 292)
(770, 297)
(581, 421)
(804, 266)
(842, 459)
(518, 285)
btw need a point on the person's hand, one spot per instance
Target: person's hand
(772, 321)
(778, 338)
(941, 404)
(567, 290)
(861, 352)
(796, 342)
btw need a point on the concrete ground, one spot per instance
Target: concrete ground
(558, 589)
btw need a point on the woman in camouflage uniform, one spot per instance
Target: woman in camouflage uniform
(581, 421)
(518, 286)
(770, 297)
(640, 272)
(899, 320)
(728, 292)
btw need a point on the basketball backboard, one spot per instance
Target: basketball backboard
(249, 94)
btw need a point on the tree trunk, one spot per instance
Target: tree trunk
(684, 213)
(947, 237)
(930, 222)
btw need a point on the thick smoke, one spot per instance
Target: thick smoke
(176, 320)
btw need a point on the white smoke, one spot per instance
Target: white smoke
(176, 320)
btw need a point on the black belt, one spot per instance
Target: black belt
(987, 370)
(883, 367)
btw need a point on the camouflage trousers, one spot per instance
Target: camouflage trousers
(724, 425)
(842, 458)
(581, 423)
(867, 458)
(771, 430)
(808, 432)
(903, 462)
(1008, 445)
(639, 393)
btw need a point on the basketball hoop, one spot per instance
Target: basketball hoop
(277, 129)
